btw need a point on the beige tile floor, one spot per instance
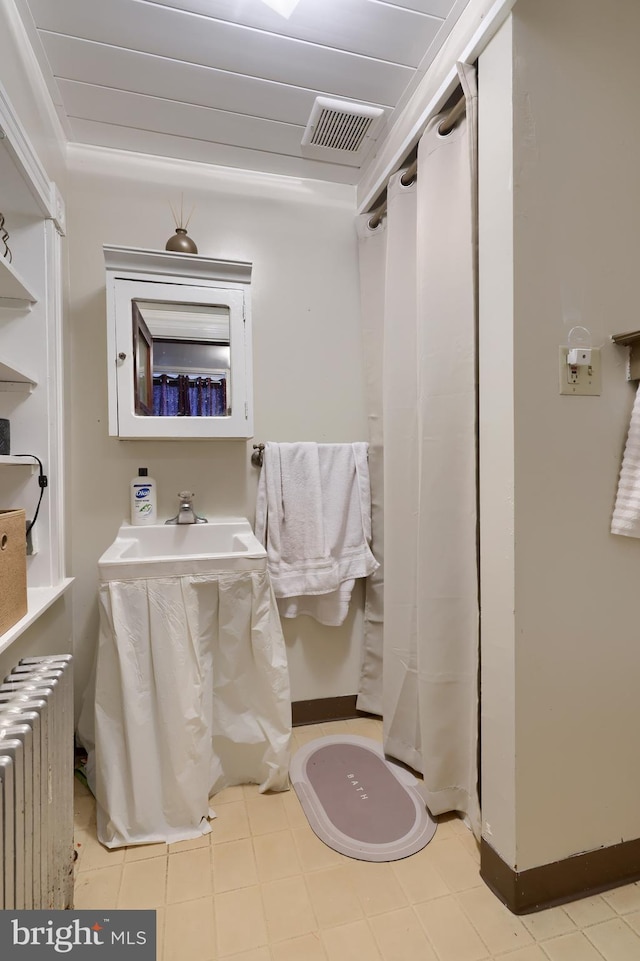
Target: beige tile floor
(262, 887)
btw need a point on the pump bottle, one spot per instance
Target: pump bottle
(143, 498)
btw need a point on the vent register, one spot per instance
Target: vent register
(340, 131)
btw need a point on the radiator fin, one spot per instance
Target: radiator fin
(36, 785)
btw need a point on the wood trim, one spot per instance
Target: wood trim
(325, 709)
(17, 143)
(550, 884)
(478, 23)
(137, 260)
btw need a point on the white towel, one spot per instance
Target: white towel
(313, 515)
(626, 513)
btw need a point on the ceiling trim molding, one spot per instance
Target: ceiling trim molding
(32, 57)
(17, 143)
(106, 161)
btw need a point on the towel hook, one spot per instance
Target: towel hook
(257, 456)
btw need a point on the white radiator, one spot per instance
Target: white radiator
(36, 784)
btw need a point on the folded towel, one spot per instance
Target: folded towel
(626, 513)
(330, 609)
(313, 515)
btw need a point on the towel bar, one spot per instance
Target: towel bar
(257, 457)
(632, 341)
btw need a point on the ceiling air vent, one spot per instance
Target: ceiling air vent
(340, 132)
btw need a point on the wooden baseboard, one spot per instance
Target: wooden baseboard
(325, 709)
(550, 884)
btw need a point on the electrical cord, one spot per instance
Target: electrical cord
(42, 483)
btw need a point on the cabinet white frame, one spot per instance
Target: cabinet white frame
(177, 278)
(31, 358)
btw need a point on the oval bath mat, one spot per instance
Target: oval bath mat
(357, 801)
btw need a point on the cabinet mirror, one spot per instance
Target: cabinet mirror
(181, 354)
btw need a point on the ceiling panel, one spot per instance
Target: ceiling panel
(376, 30)
(229, 81)
(436, 8)
(87, 102)
(115, 67)
(227, 46)
(202, 151)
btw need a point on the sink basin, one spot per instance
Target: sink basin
(159, 550)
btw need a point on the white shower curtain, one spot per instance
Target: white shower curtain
(372, 248)
(422, 268)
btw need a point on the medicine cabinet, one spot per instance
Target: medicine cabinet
(179, 345)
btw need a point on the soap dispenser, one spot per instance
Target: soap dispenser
(143, 498)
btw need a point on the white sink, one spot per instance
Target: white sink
(160, 550)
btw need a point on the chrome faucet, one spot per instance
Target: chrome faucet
(186, 511)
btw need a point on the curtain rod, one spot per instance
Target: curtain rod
(446, 125)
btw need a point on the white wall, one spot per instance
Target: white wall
(570, 659)
(496, 443)
(308, 379)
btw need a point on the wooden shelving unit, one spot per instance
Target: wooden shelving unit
(11, 460)
(14, 292)
(31, 361)
(12, 379)
(38, 600)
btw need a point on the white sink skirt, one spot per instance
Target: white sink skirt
(191, 696)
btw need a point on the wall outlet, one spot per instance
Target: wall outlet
(580, 379)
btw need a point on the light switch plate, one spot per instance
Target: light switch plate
(583, 380)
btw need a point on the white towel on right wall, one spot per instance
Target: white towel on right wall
(626, 513)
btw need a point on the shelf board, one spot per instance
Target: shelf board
(13, 459)
(15, 380)
(13, 290)
(38, 600)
